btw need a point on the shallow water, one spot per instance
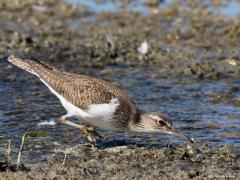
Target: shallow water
(25, 102)
(230, 9)
(109, 6)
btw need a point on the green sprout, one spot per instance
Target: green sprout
(24, 140)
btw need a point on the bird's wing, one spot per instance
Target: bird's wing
(80, 90)
(86, 92)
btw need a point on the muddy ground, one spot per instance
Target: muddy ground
(186, 39)
(132, 162)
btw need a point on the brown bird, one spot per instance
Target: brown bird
(96, 103)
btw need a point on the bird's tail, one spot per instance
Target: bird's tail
(33, 66)
(24, 64)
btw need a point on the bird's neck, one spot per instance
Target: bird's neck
(137, 123)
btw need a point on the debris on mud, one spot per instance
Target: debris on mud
(134, 162)
(184, 42)
(179, 37)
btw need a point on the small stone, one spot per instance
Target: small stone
(116, 149)
(143, 48)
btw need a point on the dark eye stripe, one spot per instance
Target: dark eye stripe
(161, 123)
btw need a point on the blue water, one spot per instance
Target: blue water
(231, 9)
(25, 102)
(114, 6)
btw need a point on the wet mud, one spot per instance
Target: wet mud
(190, 70)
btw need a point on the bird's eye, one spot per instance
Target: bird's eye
(161, 123)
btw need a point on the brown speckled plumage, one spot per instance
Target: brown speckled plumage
(82, 90)
(96, 102)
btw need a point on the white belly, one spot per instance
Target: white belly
(98, 115)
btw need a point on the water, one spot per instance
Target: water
(230, 9)
(109, 6)
(25, 102)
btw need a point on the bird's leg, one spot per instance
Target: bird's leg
(89, 131)
(64, 121)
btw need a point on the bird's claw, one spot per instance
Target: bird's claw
(92, 136)
(92, 131)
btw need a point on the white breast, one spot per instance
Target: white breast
(98, 115)
(101, 114)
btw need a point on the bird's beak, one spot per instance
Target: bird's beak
(179, 133)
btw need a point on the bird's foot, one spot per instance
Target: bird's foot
(93, 142)
(92, 131)
(92, 136)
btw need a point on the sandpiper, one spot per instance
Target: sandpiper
(96, 103)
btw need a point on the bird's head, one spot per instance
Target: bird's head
(155, 122)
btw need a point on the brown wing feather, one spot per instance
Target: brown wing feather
(82, 90)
